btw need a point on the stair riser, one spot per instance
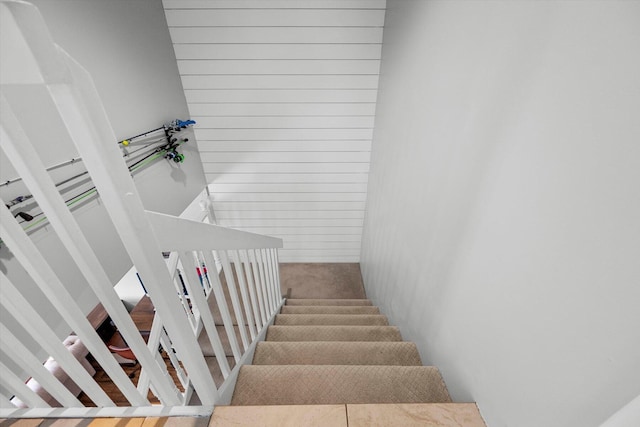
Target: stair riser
(337, 353)
(331, 319)
(319, 309)
(333, 333)
(329, 302)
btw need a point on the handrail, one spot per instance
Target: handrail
(200, 236)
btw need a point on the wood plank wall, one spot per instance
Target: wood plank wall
(284, 93)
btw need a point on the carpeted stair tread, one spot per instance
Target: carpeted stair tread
(335, 384)
(400, 353)
(331, 319)
(348, 302)
(329, 309)
(333, 333)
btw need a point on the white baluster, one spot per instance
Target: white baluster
(89, 129)
(199, 300)
(222, 305)
(184, 299)
(237, 263)
(277, 293)
(269, 276)
(35, 326)
(265, 284)
(27, 163)
(34, 263)
(233, 293)
(277, 266)
(21, 356)
(252, 290)
(175, 361)
(11, 382)
(5, 402)
(152, 344)
(262, 298)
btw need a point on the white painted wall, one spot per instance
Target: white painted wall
(127, 49)
(502, 229)
(284, 95)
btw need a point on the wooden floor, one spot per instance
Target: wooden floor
(133, 372)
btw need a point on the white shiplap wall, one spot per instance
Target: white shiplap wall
(284, 92)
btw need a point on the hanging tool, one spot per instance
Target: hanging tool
(168, 151)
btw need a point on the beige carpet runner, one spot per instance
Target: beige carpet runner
(338, 351)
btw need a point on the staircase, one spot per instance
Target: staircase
(337, 354)
(323, 357)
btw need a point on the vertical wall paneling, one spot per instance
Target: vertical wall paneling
(284, 93)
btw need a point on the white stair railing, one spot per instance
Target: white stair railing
(229, 286)
(32, 59)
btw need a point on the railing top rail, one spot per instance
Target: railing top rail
(200, 236)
